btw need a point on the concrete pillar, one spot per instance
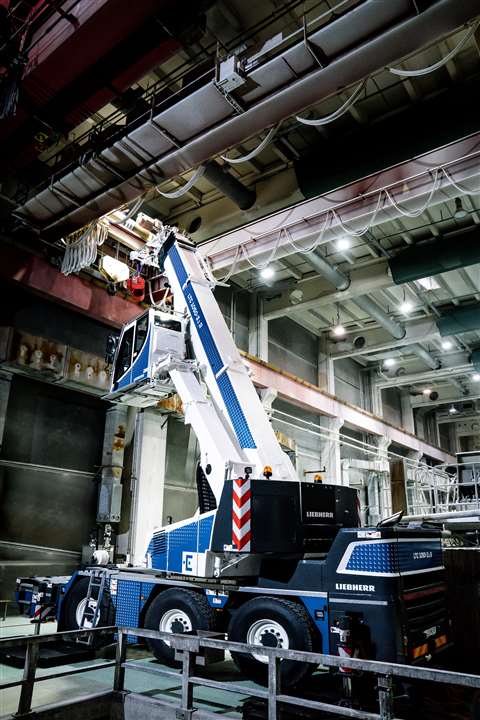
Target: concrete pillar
(325, 367)
(377, 402)
(5, 382)
(407, 412)
(257, 329)
(148, 481)
(383, 481)
(330, 453)
(110, 492)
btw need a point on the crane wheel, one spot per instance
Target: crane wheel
(177, 611)
(73, 606)
(271, 622)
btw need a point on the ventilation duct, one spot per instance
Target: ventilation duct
(395, 329)
(433, 258)
(342, 281)
(460, 320)
(229, 186)
(338, 279)
(173, 138)
(475, 359)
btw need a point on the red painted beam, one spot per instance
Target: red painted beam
(78, 294)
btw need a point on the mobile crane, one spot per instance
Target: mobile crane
(267, 559)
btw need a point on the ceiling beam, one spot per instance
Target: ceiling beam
(378, 339)
(318, 292)
(309, 397)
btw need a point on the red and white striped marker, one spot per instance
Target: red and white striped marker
(241, 507)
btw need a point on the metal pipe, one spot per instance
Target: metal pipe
(331, 273)
(395, 328)
(229, 186)
(372, 50)
(425, 356)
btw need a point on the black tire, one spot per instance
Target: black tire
(70, 605)
(295, 622)
(190, 603)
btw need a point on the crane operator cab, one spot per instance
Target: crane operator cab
(142, 356)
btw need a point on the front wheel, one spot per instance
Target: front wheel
(270, 622)
(177, 611)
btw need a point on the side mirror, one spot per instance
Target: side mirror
(112, 342)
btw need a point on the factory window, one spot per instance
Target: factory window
(124, 354)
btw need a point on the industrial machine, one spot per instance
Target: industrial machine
(267, 559)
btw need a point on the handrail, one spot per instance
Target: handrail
(189, 646)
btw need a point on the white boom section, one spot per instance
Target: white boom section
(218, 448)
(226, 375)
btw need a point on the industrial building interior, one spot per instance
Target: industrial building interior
(317, 163)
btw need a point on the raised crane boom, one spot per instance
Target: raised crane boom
(251, 500)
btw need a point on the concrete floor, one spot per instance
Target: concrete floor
(56, 690)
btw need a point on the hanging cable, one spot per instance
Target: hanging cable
(417, 213)
(266, 141)
(185, 188)
(133, 210)
(359, 233)
(339, 112)
(431, 68)
(317, 240)
(459, 188)
(81, 252)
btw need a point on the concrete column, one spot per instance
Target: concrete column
(5, 382)
(383, 480)
(257, 329)
(110, 492)
(325, 367)
(407, 412)
(330, 453)
(377, 402)
(148, 481)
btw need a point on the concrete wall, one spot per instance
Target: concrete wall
(392, 406)
(292, 348)
(236, 302)
(180, 499)
(348, 381)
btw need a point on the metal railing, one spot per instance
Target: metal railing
(190, 647)
(443, 489)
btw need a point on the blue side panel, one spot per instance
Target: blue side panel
(419, 556)
(317, 608)
(128, 605)
(373, 557)
(227, 392)
(205, 533)
(182, 539)
(395, 557)
(145, 593)
(157, 549)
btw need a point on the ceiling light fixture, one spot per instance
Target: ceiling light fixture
(452, 410)
(406, 307)
(476, 377)
(460, 212)
(267, 273)
(427, 391)
(343, 243)
(447, 345)
(389, 362)
(338, 329)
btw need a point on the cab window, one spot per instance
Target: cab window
(168, 324)
(140, 334)
(124, 359)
